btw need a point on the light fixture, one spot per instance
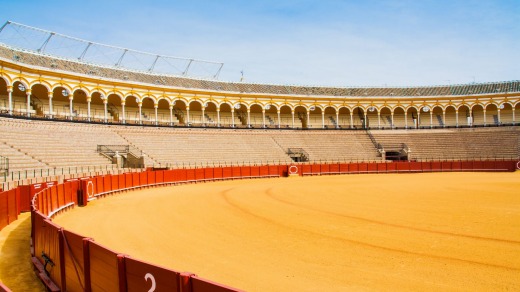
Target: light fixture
(426, 109)
(312, 108)
(21, 87)
(501, 106)
(237, 106)
(267, 107)
(65, 92)
(371, 109)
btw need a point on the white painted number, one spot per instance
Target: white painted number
(518, 165)
(90, 189)
(150, 277)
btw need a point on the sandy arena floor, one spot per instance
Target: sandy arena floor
(435, 231)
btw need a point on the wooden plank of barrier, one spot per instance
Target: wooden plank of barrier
(274, 170)
(372, 167)
(381, 167)
(159, 177)
(121, 181)
(199, 174)
(25, 198)
(135, 179)
(169, 176)
(306, 169)
(403, 166)
(4, 210)
(283, 170)
(73, 261)
(415, 166)
(353, 167)
(245, 171)
(467, 165)
(52, 249)
(456, 165)
(190, 174)
(255, 171)
(107, 183)
(150, 178)
(208, 173)
(115, 182)
(143, 178)
(426, 166)
(53, 199)
(334, 168)
(12, 206)
(182, 175)
(67, 192)
(489, 165)
(128, 180)
(324, 168)
(315, 169)
(236, 171)
(344, 168)
(436, 166)
(362, 167)
(141, 276)
(227, 172)
(104, 273)
(99, 184)
(203, 285)
(218, 173)
(61, 195)
(263, 170)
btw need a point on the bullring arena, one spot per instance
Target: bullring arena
(114, 179)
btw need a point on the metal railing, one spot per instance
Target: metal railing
(111, 150)
(47, 172)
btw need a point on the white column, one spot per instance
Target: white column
(365, 120)
(188, 115)
(378, 120)
(105, 103)
(263, 118)
(431, 119)
(418, 119)
(232, 117)
(485, 123)
(203, 115)
(351, 119)
(70, 106)
(323, 119)
(140, 106)
(124, 114)
(392, 120)
(292, 112)
(279, 121)
(444, 119)
(10, 94)
(248, 118)
(171, 115)
(51, 110)
(218, 118)
(405, 120)
(514, 121)
(308, 119)
(337, 119)
(498, 111)
(28, 92)
(457, 118)
(89, 99)
(155, 107)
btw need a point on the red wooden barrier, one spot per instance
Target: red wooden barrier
(274, 170)
(159, 176)
(315, 168)
(182, 175)
(236, 171)
(73, 261)
(403, 166)
(115, 182)
(4, 210)
(283, 170)
(104, 273)
(456, 165)
(334, 168)
(245, 171)
(107, 183)
(132, 179)
(218, 173)
(169, 176)
(263, 170)
(324, 168)
(88, 191)
(199, 173)
(415, 166)
(151, 177)
(372, 167)
(255, 171)
(67, 192)
(344, 168)
(203, 285)
(426, 166)
(381, 167)
(61, 195)
(143, 178)
(436, 166)
(306, 169)
(190, 174)
(467, 165)
(12, 206)
(54, 199)
(446, 165)
(208, 173)
(353, 167)
(141, 275)
(488, 165)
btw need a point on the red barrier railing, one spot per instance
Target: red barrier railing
(70, 262)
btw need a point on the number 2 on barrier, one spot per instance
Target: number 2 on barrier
(150, 277)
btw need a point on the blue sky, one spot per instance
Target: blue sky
(322, 42)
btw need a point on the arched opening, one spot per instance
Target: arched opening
(40, 100)
(286, 120)
(330, 118)
(97, 107)
(516, 110)
(80, 104)
(300, 117)
(148, 111)
(358, 118)
(225, 115)
(506, 114)
(437, 117)
(385, 119)
(450, 117)
(163, 112)
(426, 118)
(4, 96)
(271, 116)
(240, 115)
(315, 120)
(113, 108)
(373, 117)
(256, 116)
(412, 118)
(477, 115)
(131, 109)
(180, 111)
(195, 113)
(344, 118)
(62, 102)
(465, 118)
(399, 121)
(19, 96)
(211, 114)
(492, 117)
